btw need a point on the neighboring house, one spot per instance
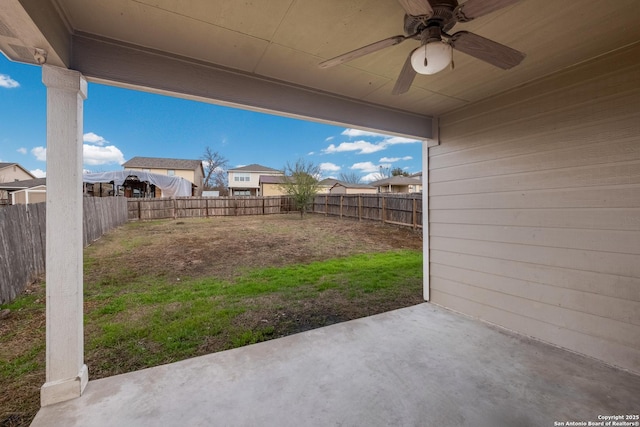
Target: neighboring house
(271, 185)
(26, 191)
(324, 186)
(190, 170)
(11, 172)
(349, 188)
(398, 184)
(245, 180)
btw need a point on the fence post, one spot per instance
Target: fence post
(384, 216)
(359, 207)
(413, 215)
(341, 201)
(139, 211)
(262, 205)
(326, 205)
(206, 207)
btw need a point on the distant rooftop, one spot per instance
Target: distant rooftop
(352, 185)
(254, 168)
(271, 179)
(397, 180)
(20, 185)
(162, 163)
(328, 182)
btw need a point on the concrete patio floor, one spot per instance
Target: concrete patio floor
(418, 366)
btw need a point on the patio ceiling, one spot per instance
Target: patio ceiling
(264, 54)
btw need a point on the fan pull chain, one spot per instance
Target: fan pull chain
(425, 56)
(451, 64)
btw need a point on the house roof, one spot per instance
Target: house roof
(351, 185)
(397, 180)
(254, 168)
(271, 179)
(328, 182)
(162, 163)
(21, 185)
(6, 165)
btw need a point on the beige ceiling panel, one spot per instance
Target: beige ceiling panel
(286, 64)
(329, 28)
(286, 39)
(147, 26)
(417, 100)
(255, 18)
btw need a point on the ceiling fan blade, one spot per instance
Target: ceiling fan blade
(416, 7)
(365, 50)
(487, 50)
(405, 79)
(473, 9)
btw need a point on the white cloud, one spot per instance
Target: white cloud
(7, 82)
(22, 150)
(392, 140)
(356, 132)
(38, 173)
(363, 147)
(311, 153)
(373, 176)
(329, 167)
(94, 155)
(394, 159)
(92, 138)
(40, 153)
(329, 138)
(366, 147)
(369, 167)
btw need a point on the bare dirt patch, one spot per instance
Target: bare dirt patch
(227, 246)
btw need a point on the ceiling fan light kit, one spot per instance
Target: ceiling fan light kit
(428, 21)
(432, 57)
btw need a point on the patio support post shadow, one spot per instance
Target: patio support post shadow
(66, 373)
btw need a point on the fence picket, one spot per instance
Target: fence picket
(23, 236)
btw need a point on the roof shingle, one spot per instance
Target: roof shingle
(162, 163)
(254, 168)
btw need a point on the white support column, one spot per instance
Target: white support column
(67, 374)
(425, 220)
(432, 142)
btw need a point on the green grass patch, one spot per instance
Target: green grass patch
(148, 325)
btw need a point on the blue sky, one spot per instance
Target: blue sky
(120, 124)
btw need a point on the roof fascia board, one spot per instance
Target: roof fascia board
(119, 64)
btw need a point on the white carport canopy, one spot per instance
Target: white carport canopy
(171, 186)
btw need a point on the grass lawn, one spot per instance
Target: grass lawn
(159, 292)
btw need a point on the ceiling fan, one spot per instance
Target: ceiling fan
(429, 21)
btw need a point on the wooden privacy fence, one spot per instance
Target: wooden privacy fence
(23, 232)
(398, 209)
(190, 207)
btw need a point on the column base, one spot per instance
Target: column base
(59, 391)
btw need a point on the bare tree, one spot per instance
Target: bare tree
(349, 177)
(383, 173)
(301, 183)
(215, 174)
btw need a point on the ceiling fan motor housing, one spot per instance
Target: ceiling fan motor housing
(442, 17)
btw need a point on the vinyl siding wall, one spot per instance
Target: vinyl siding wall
(535, 209)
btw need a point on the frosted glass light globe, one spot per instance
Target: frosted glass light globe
(438, 55)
